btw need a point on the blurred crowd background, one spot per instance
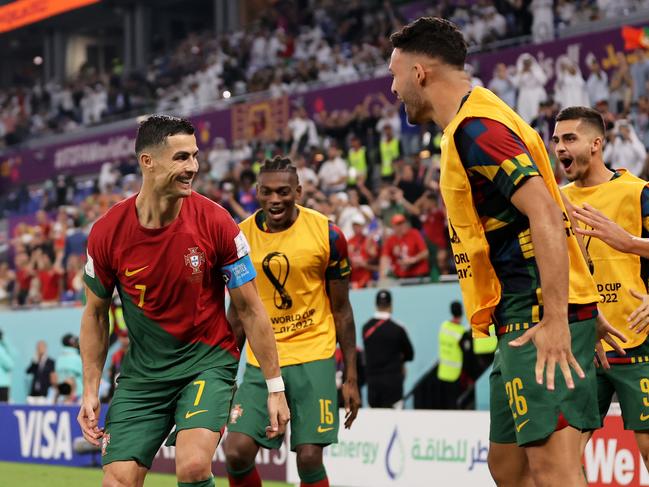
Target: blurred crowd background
(374, 174)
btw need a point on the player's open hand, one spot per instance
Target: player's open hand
(352, 400)
(278, 413)
(605, 333)
(602, 227)
(553, 347)
(88, 419)
(639, 319)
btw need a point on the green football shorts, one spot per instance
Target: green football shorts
(630, 381)
(312, 398)
(138, 420)
(523, 411)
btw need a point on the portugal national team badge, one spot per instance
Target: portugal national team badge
(105, 441)
(235, 413)
(195, 259)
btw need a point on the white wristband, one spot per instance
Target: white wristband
(276, 384)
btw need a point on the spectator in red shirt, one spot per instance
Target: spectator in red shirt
(43, 221)
(433, 220)
(50, 276)
(73, 281)
(362, 251)
(405, 253)
(23, 278)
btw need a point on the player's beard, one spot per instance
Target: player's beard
(416, 107)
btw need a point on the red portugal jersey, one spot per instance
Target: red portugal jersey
(172, 283)
(398, 248)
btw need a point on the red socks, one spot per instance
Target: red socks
(249, 478)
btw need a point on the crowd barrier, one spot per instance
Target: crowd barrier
(420, 308)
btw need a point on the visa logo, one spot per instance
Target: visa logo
(44, 434)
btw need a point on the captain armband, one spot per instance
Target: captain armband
(238, 273)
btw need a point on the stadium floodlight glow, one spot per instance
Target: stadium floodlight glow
(38, 60)
(227, 94)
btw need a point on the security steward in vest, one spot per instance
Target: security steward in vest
(357, 157)
(390, 149)
(458, 353)
(387, 349)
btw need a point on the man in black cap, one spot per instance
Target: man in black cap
(387, 348)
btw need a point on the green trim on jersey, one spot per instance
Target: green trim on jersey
(156, 358)
(96, 286)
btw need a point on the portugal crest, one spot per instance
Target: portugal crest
(235, 413)
(195, 260)
(105, 441)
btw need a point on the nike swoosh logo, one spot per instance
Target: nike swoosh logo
(323, 430)
(644, 417)
(520, 426)
(189, 415)
(128, 273)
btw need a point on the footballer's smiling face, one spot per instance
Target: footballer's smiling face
(575, 144)
(277, 193)
(174, 165)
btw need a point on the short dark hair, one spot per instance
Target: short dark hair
(383, 298)
(434, 37)
(154, 130)
(456, 309)
(586, 115)
(278, 164)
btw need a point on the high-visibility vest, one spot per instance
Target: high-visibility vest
(358, 162)
(116, 319)
(485, 345)
(450, 351)
(389, 152)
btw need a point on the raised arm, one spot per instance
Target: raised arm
(609, 232)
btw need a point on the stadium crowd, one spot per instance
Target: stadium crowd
(375, 175)
(294, 46)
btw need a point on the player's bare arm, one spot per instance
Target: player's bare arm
(341, 309)
(552, 335)
(93, 344)
(639, 319)
(605, 229)
(256, 325)
(237, 326)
